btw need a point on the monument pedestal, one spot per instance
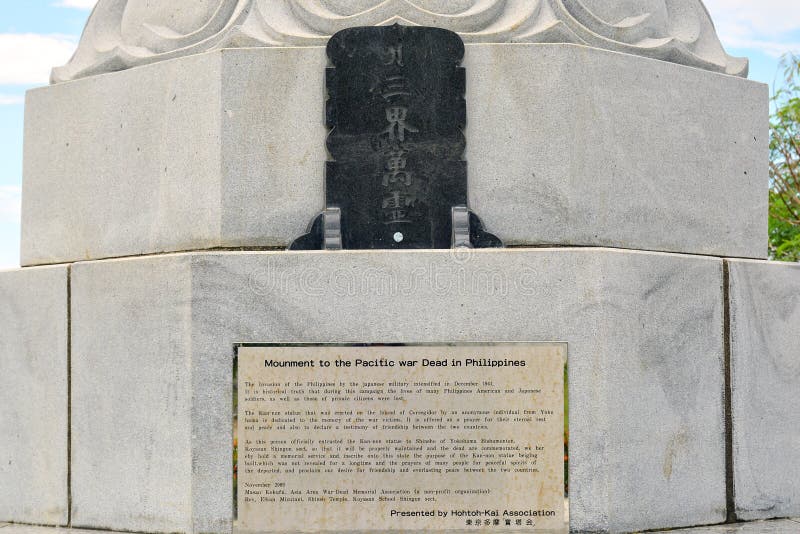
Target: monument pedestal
(566, 145)
(153, 338)
(152, 343)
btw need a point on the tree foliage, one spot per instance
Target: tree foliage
(784, 215)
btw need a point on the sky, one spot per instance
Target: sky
(36, 35)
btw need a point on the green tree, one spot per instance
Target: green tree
(784, 213)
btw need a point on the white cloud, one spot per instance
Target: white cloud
(771, 26)
(11, 100)
(27, 58)
(10, 203)
(77, 4)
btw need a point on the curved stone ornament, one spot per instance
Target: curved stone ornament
(122, 34)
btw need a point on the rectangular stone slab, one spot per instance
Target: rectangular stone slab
(761, 527)
(758, 527)
(566, 145)
(765, 379)
(34, 396)
(396, 140)
(153, 339)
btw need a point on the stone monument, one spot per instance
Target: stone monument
(182, 150)
(396, 111)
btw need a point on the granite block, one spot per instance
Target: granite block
(765, 381)
(156, 335)
(34, 375)
(566, 145)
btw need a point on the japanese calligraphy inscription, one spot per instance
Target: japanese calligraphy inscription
(396, 110)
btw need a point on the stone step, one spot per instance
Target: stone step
(778, 526)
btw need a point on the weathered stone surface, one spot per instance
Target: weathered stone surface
(227, 149)
(131, 169)
(759, 527)
(602, 149)
(156, 335)
(216, 150)
(765, 370)
(127, 33)
(132, 391)
(30, 529)
(33, 395)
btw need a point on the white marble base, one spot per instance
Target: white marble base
(34, 396)
(566, 145)
(787, 526)
(765, 370)
(152, 342)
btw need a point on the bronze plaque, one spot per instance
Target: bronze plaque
(427, 438)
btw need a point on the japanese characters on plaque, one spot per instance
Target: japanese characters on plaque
(398, 203)
(396, 177)
(396, 109)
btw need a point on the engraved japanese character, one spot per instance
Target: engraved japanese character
(392, 87)
(393, 55)
(397, 200)
(396, 216)
(397, 115)
(403, 177)
(397, 161)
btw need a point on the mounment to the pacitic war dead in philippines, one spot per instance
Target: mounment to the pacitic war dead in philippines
(187, 145)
